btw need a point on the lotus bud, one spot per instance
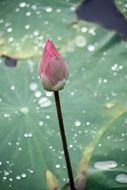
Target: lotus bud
(52, 69)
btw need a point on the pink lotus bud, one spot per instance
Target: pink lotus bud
(53, 71)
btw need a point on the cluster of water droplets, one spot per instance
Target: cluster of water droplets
(8, 173)
(110, 165)
(43, 101)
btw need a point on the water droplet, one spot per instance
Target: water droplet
(71, 146)
(26, 135)
(92, 31)
(105, 80)
(37, 94)
(0, 163)
(121, 178)
(24, 110)
(18, 177)
(28, 13)
(80, 41)
(12, 87)
(19, 148)
(48, 9)
(23, 175)
(4, 178)
(1, 21)
(7, 24)
(41, 123)
(47, 116)
(57, 166)
(84, 29)
(38, 12)
(22, 4)
(11, 39)
(114, 67)
(49, 94)
(17, 143)
(6, 115)
(10, 179)
(44, 102)
(91, 48)
(36, 33)
(17, 10)
(58, 10)
(33, 86)
(86, 131)
(109, 105)
(9, 29)
(108, 137)
(87, 123)
(31, 171)
(6, 173)
(51, 147)
(30, 135)
(7, 162)
(72, 8)
(72, 93)
(77, 123)
(122, 149)
(27, 26)
(34, 7)
(105, 165)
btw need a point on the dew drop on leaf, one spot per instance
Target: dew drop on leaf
(9, 29)
(28, 13)
(18, 177)
(91, 48)
(77, 123)
(1, 21)
(12, 87)
(105, 165)
(33, 86)
(34, 7)
(10, 179)
(23, 175)
(47, 116)
(121, 178)
(19, 148)
(80, 41)
(48, 9)
(109, 105)
(37, 94)
(22, 4)
(41, 123)
(11, 39)
(24, 110)
(57, 166)
(44, 102)
(87, 123)
(58, 10)
(49, 94)
(27, 26)
(84, 29)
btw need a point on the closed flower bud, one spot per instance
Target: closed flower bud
(53, 70)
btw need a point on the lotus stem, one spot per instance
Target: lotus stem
(64, 140)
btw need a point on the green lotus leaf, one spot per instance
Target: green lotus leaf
(93, 103)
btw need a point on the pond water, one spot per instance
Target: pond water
(105, 13)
